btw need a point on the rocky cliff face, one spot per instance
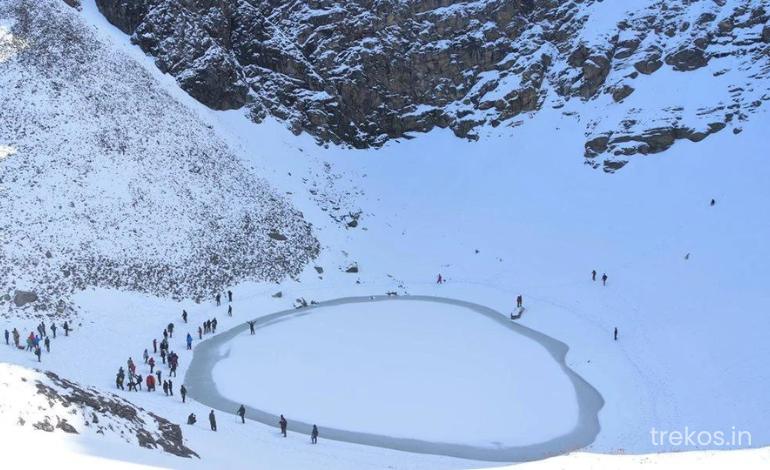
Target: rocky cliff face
(364, 71)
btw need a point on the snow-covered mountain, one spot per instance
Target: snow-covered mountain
(361, 72)
(108, 181)
(127, 195)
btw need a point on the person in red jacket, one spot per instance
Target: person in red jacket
(150, 383)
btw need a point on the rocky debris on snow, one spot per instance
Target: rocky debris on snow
(107, 180)
(352, 269)
(300, 303)
(319, 269)
(47, 402)
(277, 295)
(354, 72)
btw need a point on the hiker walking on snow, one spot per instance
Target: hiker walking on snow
(7, 336)
(183, 392)
(47, 343)
(37, 353)
(604, 279)
(158, 374)
(251, 327)
(212, 418)
(145, 356)
(214, 325)
(242, 414)
(165, 388)
(593, 275)
(119, 378)
(53, 330)
(218, 298)
(230, 310)
(150, 381)
(616, 333)
(66, 329)
(200, 333)
(155, 346)
(151, 362)
(284, 424)
(170, 387)
(229, 296)
(139, 381)
(519, 301)
(314, 435)
(439, 280)
(163, 355)
(189, 342)
(713, 202)
(170, 329)
(184, 316)
(16, 337)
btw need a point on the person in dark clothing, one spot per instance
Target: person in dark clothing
(170, 329)
(251, 327)
(170, 387)
(165, 333)
(53, 330)
(242, 414)
(200, 333)
(184, 316)
(131, 383)
(519, 301)
(163, 355)
(713, 202)
(616, 333)
(66, 329)
(593, 275)
(7, 337)
(218, 298)
(284, 424)
(37, 353)
(183, 391)
(213, 421)
(604, 279)
(47, 343)
(229, 296)
(165, 388)
(155, 346)
(230, 310)
(191, 419)
(151, 362)
(314, 435)
(139, 382)
(158, 374)
(214, 325)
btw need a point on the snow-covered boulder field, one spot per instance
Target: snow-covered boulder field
(107, 180)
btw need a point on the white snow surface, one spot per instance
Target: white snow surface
(692, 347)
(416, 370)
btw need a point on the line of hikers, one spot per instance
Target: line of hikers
(241, 412)
(34, 340)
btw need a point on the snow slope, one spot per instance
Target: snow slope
(513, 213)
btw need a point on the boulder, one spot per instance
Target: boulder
(22, 297)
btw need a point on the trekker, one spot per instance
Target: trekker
(713, 202)
(519, 301)
(229, 296)
(284, 424)
(139, 382)
(37, 353)
(314, 435)
(604, 279)
(200, 333)
(158, 374)
(593, 275)
(212, 418)
(218, 298)
(155, 346)
(165, 333)
(183, 391)
(145, 356)
(214, 325)
(53, 330)
(163, 355)
(191, 419)
(230, 310)
(165, 388)
(150, 381)
(251, 327)
(131, 383)
(66, 329)
(616, 333)
(151, 362)
(7, 336)
(170, 329)
(439, 280)
(242, 414)
(46, 341)
(189, 342)
(184, 316)
(170, 387)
